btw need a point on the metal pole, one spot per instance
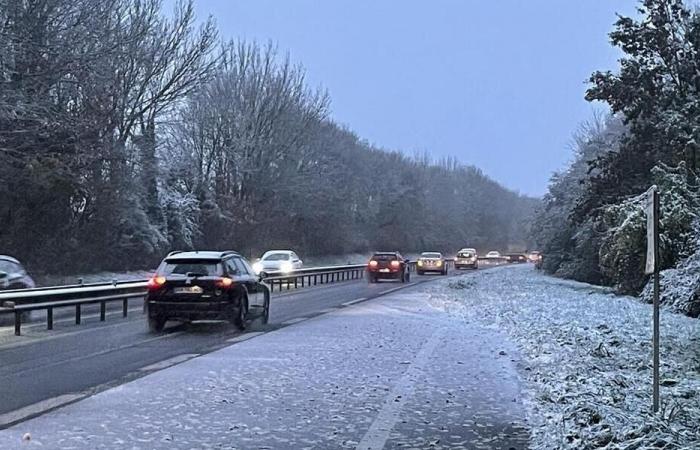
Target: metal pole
(49, 318)
(656, 299)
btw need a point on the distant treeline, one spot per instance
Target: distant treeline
(125, 133)
(592, 225)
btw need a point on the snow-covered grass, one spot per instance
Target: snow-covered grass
(587, 359)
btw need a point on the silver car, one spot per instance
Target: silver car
(13, 275)
(278, 261)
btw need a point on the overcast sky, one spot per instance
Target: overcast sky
(499, 85)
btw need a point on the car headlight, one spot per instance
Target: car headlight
(438, 263)
(420, 263)
(257, 267)
(286, 266)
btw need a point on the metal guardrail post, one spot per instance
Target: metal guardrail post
(125, 307)
(18, 322)
(77, 314)
(103, 307)
(49, 318)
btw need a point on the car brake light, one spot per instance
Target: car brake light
(373, 263)
(156, 282)
(224, 283)
(395, 263)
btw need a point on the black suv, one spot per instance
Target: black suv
(388, 265)
(205, 285)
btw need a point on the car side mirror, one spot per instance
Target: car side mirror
(3, 275)
(261, 278)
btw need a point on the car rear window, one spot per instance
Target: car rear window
(384, 257)
(277, 257)
(465, 255)
(198, 267)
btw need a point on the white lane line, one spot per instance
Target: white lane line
(33, 339)
(28, 326)
(293, 321)
(327, 310)
(378, 432)
(245, 337)
(104, 352)
(352, 302)
(37, 408)
(169, 362)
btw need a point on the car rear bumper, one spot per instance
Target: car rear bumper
(385, 275)
(190, 310)
(471, 265)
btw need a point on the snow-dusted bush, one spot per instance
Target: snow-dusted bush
(622, 251)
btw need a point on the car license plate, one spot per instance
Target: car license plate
(188, 290)
(384, 270)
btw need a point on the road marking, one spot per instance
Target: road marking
(245, 337)
(104, 352)
(169, 362)
(32, 339)
(352, 302)
(37, 408)
(327, 310)
(378, 432)
(41, 323)
(293, 321)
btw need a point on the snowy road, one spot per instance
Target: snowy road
(43, 367)
(391, 372)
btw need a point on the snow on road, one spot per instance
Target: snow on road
(587, 359)
(393, 372)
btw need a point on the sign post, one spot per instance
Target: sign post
(652, 268)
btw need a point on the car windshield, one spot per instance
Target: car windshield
(194, 267)
(431, 255)
(465, 255)
(276, 257)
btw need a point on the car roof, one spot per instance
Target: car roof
(386, 253)
(436, 253)
(288, 252)
(204, 254)
(9, 259)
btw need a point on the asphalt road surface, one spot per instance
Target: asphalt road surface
(394, 372)
(74, 361)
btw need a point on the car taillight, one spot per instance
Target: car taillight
(373, 263)
(224, 283)
(156, 282)
(395, 263)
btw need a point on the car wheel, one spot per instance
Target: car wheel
(420, 272)
(371, 279)
(156, 324)
(240, 313)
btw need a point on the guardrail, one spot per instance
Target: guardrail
(21, 301)
(314, 276)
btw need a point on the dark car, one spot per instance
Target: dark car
(518, 258)
(388, 265)
(206, 285)
(431, 262)
(13, 275)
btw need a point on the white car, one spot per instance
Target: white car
(278, 261)
(493, 254)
